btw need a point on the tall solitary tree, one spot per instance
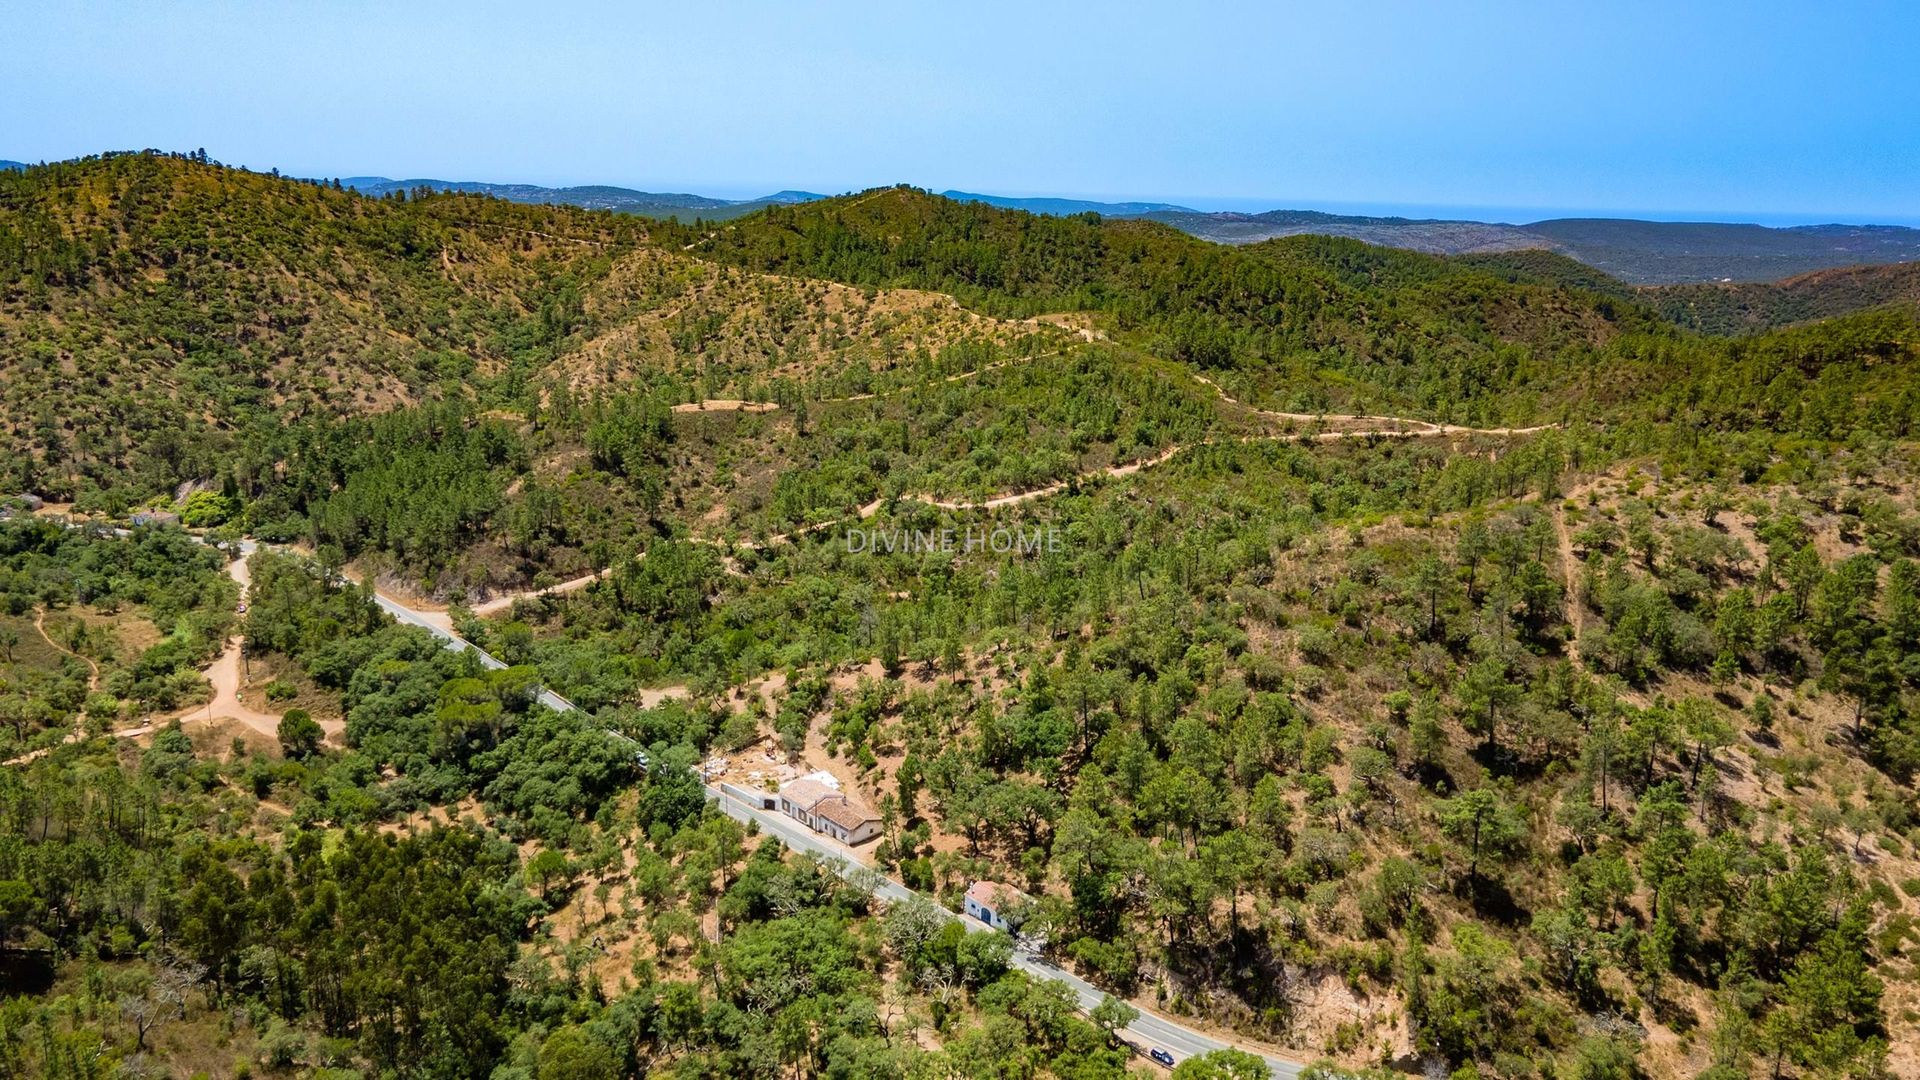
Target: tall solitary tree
(1482, 822)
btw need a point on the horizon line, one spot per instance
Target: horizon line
(1515, 215)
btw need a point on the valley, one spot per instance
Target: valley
(1449, 665)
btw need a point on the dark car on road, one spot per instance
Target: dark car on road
(1161, 1056)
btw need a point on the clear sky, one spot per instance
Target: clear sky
(1757, 110)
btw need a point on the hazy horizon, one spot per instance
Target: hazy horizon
(1504, 215)
(1769, 112)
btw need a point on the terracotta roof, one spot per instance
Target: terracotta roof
(806, 793)
(993, 894)
(844, 812)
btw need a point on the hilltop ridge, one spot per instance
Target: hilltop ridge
(591, 197)
(1639, 252)
(1439, 664)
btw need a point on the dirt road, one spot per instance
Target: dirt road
(505, 600)
(226, 676)
(93, 679)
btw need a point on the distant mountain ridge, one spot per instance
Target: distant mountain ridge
(1680, 252)
(1635, 251)
(1429, 235)
(677, 205)
(1063, 207)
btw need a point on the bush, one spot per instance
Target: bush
(282, 1047)
(206, 509)
(300, 734)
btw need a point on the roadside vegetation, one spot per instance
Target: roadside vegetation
(1577, 741)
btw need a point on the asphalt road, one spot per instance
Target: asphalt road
(1150, 1030)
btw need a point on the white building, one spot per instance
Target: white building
(826, 810)
(989, 901)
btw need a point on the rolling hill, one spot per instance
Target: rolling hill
(1435, 237)
(1672, 252)
(1747, 307)
(1448, 665)
(679, 206)
(154, 307)
(1639, 252)
(1635, 251)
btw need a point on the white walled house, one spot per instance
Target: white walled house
(989, 901)
(828, 811)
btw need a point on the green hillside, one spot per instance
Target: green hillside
(1751, 307)
(154, 308)
(1363, 327)
(1429, 666)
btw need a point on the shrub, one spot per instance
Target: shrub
(300, 734)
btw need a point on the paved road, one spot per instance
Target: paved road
(1148, 1031)
(454, 641)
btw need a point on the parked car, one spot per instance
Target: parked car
(1161, 1057)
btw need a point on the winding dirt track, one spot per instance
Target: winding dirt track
(1576, 610)
(961, 377)
(998, 502)
(1381, 427)
(1401, 423)
(1398, 427)
(725, 405)
(225, 674)
(505, 600)
(738, 405)
(93, 680)
(1128, 469)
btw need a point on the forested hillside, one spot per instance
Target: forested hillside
(153, 309)
(1432, 666)
(1754, 306)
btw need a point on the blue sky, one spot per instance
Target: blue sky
(1753, 111)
